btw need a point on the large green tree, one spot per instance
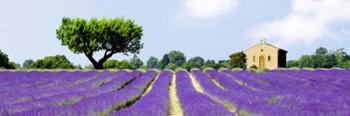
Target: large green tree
(109, 36)
(52, 62)
(238, 60)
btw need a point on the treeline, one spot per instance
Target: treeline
(322, 58)
(6, 63)
(172, 60)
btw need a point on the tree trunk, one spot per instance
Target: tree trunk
(98, 66)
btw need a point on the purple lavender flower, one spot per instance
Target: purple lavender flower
(154, 103)
(195, 103)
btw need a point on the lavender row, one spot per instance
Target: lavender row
(22, 79)
(40, 81)
(297, 93)
(16, 92)
(86, 90)
(195, 103)
(308, 89)
(37, 93)
(101, 104)
(154, 103)
(284, 90)
(244, 99)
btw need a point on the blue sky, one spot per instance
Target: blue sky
(211, 29)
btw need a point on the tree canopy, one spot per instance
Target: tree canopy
(110, 36)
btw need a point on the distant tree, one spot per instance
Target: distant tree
(321, 51)
(328, 61)
(18, 65)
(152, 62)
(52, 62)
(4, 60)
(6, 63)
(13, 65)
(213, 64)
(292, 63)
(209, 64)
(144, 67)
(195, 62)
(171, 66)
(177, 57)
(164, 61)
(316, 61)
(124, 64)
(115, 64)
(136, 62)
(223, 64)
(110, 36)
(89, 66)
(305, 61)
(26, 64)
(110, 64)
(79, 67)
(341, 57)
(346, 64)
(238, 60)
(321, 59)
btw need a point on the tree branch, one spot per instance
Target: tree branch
(91, 58)
(106, 56)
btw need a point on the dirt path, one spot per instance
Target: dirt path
(175, 108)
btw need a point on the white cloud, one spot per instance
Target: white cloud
(308, 21)
(209, 8)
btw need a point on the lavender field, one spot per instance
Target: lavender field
(163, 93)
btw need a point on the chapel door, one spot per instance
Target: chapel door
(261, 62)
